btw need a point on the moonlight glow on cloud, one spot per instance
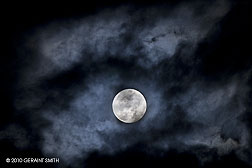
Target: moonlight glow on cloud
(71, 85)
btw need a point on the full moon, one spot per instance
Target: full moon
(129, 105)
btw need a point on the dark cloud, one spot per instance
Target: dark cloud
(195, 77)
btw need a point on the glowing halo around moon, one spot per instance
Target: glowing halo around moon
(129, 105)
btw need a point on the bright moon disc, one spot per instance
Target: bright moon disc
(129, 105)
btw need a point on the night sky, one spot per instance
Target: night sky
(62, 64)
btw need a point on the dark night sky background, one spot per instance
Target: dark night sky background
(62, 64)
